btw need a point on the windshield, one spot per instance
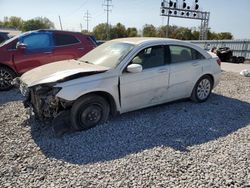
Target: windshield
(8, 41)
(12, 39)
(108, 54)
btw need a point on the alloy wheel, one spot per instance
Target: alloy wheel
(203, 89)
(5, 79)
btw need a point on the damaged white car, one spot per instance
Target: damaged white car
(120, 76)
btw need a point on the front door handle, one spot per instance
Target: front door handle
(47, 52)
(195, 64)
(163, 70)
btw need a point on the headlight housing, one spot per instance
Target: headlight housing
(55, 90)
(45, 90)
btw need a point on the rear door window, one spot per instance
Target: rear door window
(183, 53)
(64, 39)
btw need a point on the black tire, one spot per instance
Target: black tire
(89, 111)
(204, 85)
(234, 59)
(241, 59)
(6, 77)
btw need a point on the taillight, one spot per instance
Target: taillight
(218, 62)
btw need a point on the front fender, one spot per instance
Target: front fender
(73, 91)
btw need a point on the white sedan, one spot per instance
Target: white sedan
(119, 76)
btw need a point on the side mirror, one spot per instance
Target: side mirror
(21, 46)
(134, 68)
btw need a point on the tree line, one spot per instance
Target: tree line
(31, 24)
(118, 30)
(149, 30)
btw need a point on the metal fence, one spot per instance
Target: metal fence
(239, 47)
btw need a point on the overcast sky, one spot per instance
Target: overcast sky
(226, 15)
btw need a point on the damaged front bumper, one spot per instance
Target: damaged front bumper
(42, 100)
(44, 103)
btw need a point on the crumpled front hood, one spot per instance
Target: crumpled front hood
(59, 70)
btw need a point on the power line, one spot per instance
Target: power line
(87, 19)
(77, 9)
(107, 4)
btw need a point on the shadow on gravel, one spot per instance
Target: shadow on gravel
(176, 125)
(10, 96)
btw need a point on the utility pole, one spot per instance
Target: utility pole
(87, 19)
(107, 4)
(81, 27)
(168, 27)
(60, 22)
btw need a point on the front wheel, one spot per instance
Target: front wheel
(6, 77)
(202, 89)
(89, 111)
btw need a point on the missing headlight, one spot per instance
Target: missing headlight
(55, 90)
(46, 90)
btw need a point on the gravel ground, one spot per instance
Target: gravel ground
(180, 144)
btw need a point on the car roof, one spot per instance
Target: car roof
(153, 40)
(140, 40)
(54, 31)
(3, 32)
(148, 40)
(59, 31)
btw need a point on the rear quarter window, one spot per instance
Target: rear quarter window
(92, 40)
(64, 39)
(197, 55)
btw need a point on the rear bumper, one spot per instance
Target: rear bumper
(217, 77)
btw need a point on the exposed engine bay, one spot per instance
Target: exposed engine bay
(43, 101)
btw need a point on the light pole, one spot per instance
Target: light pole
(173, 8)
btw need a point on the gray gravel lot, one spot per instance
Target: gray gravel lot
(180, 144)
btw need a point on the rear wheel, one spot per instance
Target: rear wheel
(233, 59)
(202, 89)
(6, 77)
(89, 111)
(241, 59)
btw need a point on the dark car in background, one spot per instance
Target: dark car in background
(226, 54)
(34, 48)
(4, 36)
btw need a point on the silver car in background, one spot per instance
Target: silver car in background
(119, 76)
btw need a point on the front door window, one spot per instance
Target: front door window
(39, 42)
(150, 57)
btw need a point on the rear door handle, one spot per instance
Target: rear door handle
(47, 52)
(80, 48)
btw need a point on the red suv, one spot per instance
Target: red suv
(35, 48)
